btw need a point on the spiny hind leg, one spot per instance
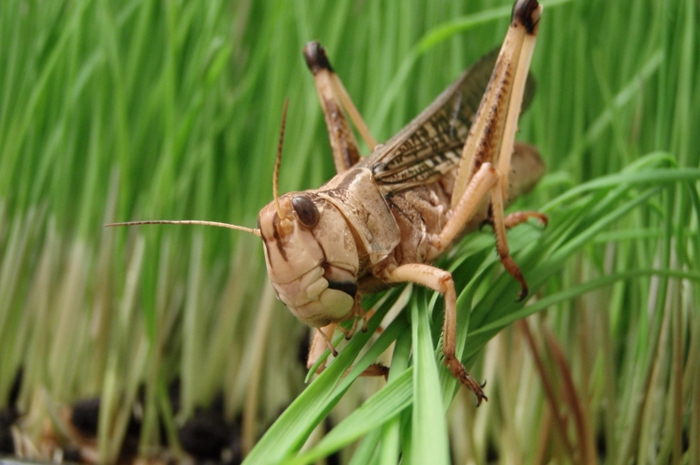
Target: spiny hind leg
(441, 281)
(490, 142)
(523, 34)
(499, 231)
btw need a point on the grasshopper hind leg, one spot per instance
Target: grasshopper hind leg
(335, 103)
(483, 173)
(499, 230)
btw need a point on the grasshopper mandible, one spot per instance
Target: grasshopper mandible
(384, 218)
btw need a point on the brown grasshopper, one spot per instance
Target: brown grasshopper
(383, 218)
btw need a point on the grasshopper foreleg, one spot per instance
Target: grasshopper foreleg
(326, 337)
(321, 339)
(319, 343)
(356, 314)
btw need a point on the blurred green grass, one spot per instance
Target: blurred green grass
(126, 110)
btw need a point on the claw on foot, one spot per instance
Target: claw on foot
(376, 369)
(347, 332)
(329, 344)
(465, 379)
(523, 291)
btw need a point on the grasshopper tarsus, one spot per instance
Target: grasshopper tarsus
(515, 272)
(373, 370)
(458, 371)
(524, 291)
(480, 396)
(347, 333)
(377, 369)
(327, 340)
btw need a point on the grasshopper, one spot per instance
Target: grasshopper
(384, 218)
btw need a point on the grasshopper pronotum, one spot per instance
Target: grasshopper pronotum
(383, 218)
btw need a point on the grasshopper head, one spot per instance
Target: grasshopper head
(311, 257)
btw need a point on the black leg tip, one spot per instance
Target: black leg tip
(524, 291)
(480, 398)
(315, 56)
(527, 12)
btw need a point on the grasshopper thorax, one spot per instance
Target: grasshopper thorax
(311, 256)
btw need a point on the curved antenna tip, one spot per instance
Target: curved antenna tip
(275, 173)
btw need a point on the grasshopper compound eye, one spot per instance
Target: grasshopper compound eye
(306, 211)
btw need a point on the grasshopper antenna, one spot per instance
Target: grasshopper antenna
(253, 231)
(217, 224)
(275, 173)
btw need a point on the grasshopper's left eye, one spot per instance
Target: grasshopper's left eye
(306, 211)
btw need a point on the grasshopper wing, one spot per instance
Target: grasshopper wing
(430, 146)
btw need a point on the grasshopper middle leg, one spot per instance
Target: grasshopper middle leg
(441, 281)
